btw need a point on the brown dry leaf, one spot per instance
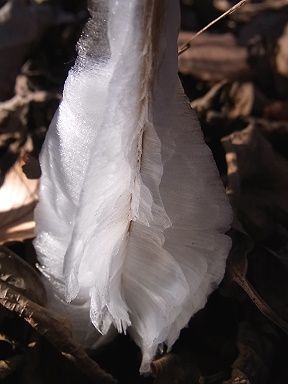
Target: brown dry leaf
(238, 377)
(224, 5)
(237, 272)
(282, 54)
(20, 24)
(258, 338)
(23, 23)
(213, 57)
(258, 185)
(250, 9)
(22, 296)
(257, 182)
(277, 111)
(173, 368)
(257, 342)
(53, 328)
(226, 100)
(31, 167)
(19, 275)
(13, 131)
(16, 116)
(18, 197)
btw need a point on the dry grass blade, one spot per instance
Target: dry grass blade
(233, 9)
(54, 330)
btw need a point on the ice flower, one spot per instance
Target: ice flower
(132, 215)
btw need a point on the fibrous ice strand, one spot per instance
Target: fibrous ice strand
(132, 239)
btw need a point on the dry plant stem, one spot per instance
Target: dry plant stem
(50, 326)
(260, 303)
(233, 9)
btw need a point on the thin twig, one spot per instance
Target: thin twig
(261, 303)
(233, 9)
(53, 328)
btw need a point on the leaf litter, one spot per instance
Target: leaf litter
(237, 79)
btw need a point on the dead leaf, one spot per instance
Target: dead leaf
(257, 186)
(251, 9)
(173, 368)
(257, 182)
(226, 100)
(24, 110)
(213, 57)
(257, 344)
(53, 328)
(18, 274)
(282, 54)
(22, 23)
(18, 197)
(258, 338)
(277, 111)
(29, 298)
(237, 270)
(13, 131)
(31, 167)
(15, 18)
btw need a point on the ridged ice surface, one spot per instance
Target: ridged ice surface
(132, 215)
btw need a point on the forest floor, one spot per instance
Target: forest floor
(236, 77)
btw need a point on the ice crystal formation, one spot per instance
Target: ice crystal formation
(132, 215)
